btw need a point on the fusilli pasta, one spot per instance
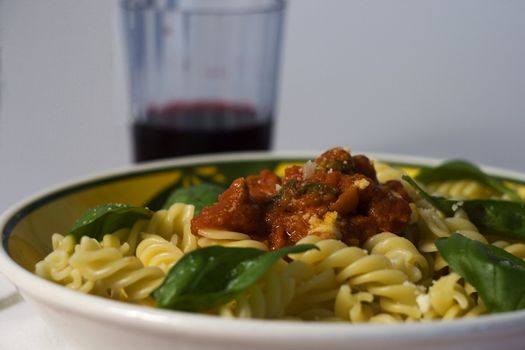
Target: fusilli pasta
(373, 273)
(461, 189)
(154, 250)
(225, 238)
(449, 299)
(103, 268)
(174, 224)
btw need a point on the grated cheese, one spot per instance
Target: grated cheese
(308, 169)
(362, 184)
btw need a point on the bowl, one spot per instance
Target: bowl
(91, 322)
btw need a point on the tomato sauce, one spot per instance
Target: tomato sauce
(336, 196)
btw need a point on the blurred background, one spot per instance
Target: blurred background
(443, 79)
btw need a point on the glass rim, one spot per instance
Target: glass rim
(138, 6)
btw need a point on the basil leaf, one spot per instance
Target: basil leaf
(158, 201)
(498, 276)
(497, 217)
(460, 169)
(211, 276)
(201, 195)
(490, 216)
(107, 218)
(442, 204)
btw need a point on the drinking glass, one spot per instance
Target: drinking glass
(203, 74)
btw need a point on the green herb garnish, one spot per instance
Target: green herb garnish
(498, 276)
(491, 216)
(211, 276)
(201, 196)
(107, 218)
(338, 165)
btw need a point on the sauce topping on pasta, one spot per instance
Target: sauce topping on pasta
(336, 196)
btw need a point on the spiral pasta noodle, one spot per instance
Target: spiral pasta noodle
(56, 267)
(314, 297)
(449, 299)
(209, 237)
(385, 172)
(132, 236)
(174, 224)
(516, 249)
(354, 307)
(461, 189)
(113, 273)
(393, 293)
(433, 224)
(401, 252)
(269, 298)
(154, 250)
(102, 268)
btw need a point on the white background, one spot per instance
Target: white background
(433, 78)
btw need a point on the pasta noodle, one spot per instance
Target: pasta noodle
(210, 237)
(55, 267)
(113, 273)
(374, 274)
(448, 299)
(174, 224)
(401, 253)
(434, 225)
(154, 250)
(354, 307)
(101, 268)
(386, 172)
(268, 299)
(516, 249)
(461, 189)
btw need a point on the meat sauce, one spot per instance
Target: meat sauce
(336, 196)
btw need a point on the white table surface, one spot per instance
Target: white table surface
(429, 78)
(21, 328)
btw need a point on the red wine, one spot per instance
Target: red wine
(197, 128)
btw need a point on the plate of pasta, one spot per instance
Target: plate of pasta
(261, 250)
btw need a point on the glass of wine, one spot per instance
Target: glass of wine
(203, 74)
